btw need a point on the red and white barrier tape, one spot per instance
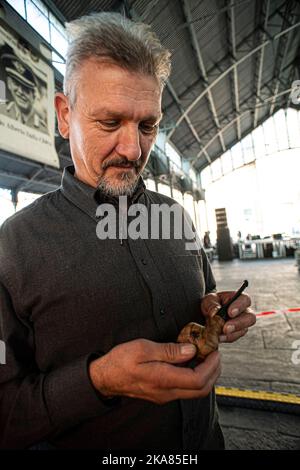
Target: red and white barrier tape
(286, 310)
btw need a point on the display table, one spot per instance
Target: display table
(258, 248)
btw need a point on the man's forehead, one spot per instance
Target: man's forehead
(118, 112)
(111, 74)
(107, 90)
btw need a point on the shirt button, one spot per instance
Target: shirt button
(162, 312)
(144, 262)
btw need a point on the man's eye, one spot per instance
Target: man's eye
(109, 124)
(148, 128)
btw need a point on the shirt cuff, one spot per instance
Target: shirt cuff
(70, 395)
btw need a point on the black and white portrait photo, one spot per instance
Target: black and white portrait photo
(25, 93)
(27, 120)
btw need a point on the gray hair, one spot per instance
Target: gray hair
(131, 45)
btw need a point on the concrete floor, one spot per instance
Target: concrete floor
(246, 429)
(263, 359)
(273, 283)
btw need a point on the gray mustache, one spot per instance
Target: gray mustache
(120, 162)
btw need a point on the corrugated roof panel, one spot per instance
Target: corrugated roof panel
(244, 14)
(71, 10)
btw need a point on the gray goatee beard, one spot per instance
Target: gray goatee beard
(125, 186)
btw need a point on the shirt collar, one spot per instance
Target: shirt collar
(88, 198)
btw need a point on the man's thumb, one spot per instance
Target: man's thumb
(179, 352)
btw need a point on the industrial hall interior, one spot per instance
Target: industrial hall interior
(227, 151)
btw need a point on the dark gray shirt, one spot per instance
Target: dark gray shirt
(65, 295)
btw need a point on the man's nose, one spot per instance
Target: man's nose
(129, 144)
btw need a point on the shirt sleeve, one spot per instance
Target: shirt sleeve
(210, 283)
(35, 404)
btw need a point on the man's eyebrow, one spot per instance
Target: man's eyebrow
(108, 114)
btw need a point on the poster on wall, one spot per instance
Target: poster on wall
(27, 120)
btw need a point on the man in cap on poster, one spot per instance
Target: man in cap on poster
(22, 85)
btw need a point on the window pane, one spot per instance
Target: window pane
(150, 184)
(173, 156)
(24, 199)
(164, 189)
(293, 128)
(259, 142)
(237, 155)
(57, 24)
(248, 149)
(226, 162)
(58, 63)
(177, 195)
(18, 5)
(270, 136)
(216, 169)
(40, 5)
(281, 130)
(6, 205)
(38, 20)
(58, 41)
(192, 175)
(205, 177)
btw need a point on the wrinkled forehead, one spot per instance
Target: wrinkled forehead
(101, 82)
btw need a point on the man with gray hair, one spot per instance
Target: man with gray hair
(90, 325)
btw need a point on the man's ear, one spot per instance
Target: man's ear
(62, 111)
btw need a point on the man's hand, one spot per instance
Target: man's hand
(145, 369)
(242, 317)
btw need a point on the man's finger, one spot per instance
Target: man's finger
(174, 352)
(233, 336)
(239, 305)
(244, 320)
(200, 392)
(167, 376)
(210, 304)
(149, 351)
(208, 367)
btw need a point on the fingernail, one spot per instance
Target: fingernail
(188, 349)
(230, 329)
(234, 312)
(214, 310)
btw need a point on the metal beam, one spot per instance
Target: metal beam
(31, 179)
(187, 119)
(276, 91)
(280, 65)
(25, 161)
(217, 68)
(235, 71)
(232, 121)
(8, 174)
(201, 66)
(246, 105)
(261, 62)
(228, 70)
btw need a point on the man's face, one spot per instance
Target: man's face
(22, 95)
(112, 125)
